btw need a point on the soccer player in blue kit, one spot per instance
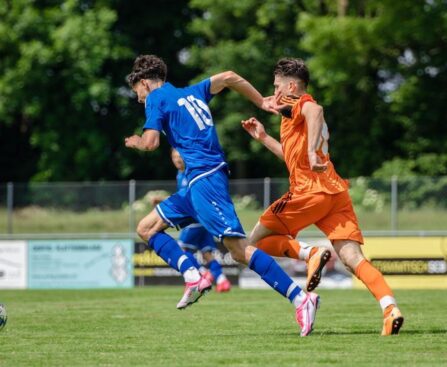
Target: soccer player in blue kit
(183, 115)
(195, 237)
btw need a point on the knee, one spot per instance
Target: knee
(237, 250)
(144, 231)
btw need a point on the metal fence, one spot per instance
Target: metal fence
(396, 205)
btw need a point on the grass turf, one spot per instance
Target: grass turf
(141, 327)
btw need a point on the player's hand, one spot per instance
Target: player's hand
(254, 128)
(132, 141)
(315, 163)
(269, 105)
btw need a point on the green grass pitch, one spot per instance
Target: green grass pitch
(141, 327)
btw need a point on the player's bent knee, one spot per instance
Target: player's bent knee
(236, 246)
(143, 231)
(146, 231)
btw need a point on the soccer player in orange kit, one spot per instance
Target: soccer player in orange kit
(317, 194)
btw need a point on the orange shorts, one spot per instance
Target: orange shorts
(332, 213)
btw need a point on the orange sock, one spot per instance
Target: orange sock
(284, 246)
(375, 282)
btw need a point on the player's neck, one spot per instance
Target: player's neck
(300, 92)
(156, 84)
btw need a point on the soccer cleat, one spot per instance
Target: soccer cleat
(306, 312)
(207, 274)
(223, 286)
(393, 322)
(315, 265)
(193, 291)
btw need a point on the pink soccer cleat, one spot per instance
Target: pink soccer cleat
(223, 286)
(193, 291)
(306, 312)
(207, 274)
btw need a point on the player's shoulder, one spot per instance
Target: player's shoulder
(161, 96)
(293, 104)
(198, 86)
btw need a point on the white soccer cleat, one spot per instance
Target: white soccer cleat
(306, 312)
(193, 291)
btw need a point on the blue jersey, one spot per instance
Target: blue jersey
(182, 181)
(183, 115)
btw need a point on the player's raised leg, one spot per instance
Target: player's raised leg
(306, 305)
(222, 222)
(281, 245)
(151, 229)
(351, 255)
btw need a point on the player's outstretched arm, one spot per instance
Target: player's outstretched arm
(149, 141)
(257, 131)
(229, 79)
(315, 120)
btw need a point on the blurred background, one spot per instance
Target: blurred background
(379, 68)
(71, 194)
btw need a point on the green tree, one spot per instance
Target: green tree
(65, 107)
(381, 70)
(378, 68)
(53, 86)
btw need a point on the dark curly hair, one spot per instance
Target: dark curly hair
(147, 67)
(294, 68)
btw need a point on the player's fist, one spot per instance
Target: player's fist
(316, 165)
(269, 105)
(132, 141)
(254, 128)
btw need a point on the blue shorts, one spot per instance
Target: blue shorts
(207, 202)
(196, 237)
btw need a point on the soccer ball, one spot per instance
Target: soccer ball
(3, 316)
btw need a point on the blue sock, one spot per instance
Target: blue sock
(193, 259)
(169, 250)
(273, 275)
(215, 268)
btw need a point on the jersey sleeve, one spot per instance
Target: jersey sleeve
(203, 89)
(154, 112)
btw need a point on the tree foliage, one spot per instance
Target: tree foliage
(379, 68)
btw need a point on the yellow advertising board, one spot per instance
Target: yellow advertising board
(409, 262)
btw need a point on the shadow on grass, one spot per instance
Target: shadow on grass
(320, 332)
(377, 332)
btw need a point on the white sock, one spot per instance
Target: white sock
(191, 275)
(299, 298)
(304, 250)
(387, 301)
(221, 278)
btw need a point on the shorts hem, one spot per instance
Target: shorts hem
(360, 240)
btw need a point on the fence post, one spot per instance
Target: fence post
(267, 182)
(132, 190)
(394, 203)
(10, 205)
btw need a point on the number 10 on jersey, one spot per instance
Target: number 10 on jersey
(198, 109)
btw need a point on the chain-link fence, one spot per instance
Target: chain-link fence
(396, 205)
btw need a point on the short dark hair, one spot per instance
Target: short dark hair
(147, 67)
(295, 68)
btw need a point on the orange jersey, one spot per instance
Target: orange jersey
(294, 141)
